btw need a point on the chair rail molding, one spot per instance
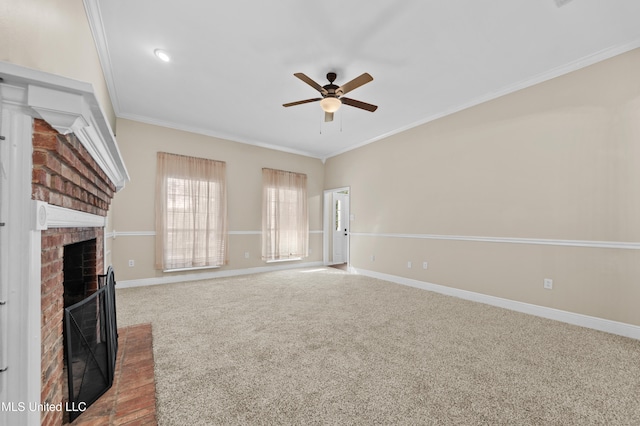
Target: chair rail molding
(509, 240)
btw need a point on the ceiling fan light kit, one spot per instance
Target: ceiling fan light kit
(162, 55)
(332, 95)
(330, 104)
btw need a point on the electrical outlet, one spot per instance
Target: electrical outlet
(409, 264)
(132, 263)
(373, 257)
(425, 265)
(548, 283)
(246, 254)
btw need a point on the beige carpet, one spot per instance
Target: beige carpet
(326, 347)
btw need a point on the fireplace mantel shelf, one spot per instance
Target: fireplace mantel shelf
(69, 106)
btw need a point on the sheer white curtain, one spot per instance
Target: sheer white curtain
(191, 212)
(285, 217)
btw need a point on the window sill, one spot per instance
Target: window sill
(190, 269)
(284, 260)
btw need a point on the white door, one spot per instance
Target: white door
(340, 225)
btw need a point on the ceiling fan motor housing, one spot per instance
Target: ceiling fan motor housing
(331, 91)
(331, 88)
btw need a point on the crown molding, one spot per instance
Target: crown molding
(96, 25)
(214, 134)
(575, 65)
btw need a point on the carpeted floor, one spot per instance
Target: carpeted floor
(321, 346)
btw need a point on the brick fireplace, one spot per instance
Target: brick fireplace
(64, 174)
(61, 168)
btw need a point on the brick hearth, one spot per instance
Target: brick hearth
(132, 398)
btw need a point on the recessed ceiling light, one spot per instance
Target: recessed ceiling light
(164, 56)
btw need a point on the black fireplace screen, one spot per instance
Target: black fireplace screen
(91, 344)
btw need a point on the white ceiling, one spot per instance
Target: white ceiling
(233, 61)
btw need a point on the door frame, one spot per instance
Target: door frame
(327, 228)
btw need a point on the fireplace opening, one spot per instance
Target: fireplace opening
(90, 331)
(79, 271)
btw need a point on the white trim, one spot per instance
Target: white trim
(115, 234)
(291, 259)
(327, 214)
(49, 216)
(70, 106)
(215, 134)
(198, 268)
(260, 232)
(210, 275)
(536, 79)
(97, 29)
(20, 265)
(601, 324)
(65, 112)
(94, 16)
(536, 241)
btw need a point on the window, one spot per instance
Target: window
(191, 212)
(285, 219)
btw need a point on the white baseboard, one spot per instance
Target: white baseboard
(171, 279)
(601, 324)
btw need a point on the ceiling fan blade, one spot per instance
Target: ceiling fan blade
(310, 82)
(359, 104)
(306, 101)
(328, 116)
(354, 84)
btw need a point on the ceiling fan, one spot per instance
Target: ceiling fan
(333, 95)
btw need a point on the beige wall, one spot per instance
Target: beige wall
(133, 207)
(560, 160)
(53, 36)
